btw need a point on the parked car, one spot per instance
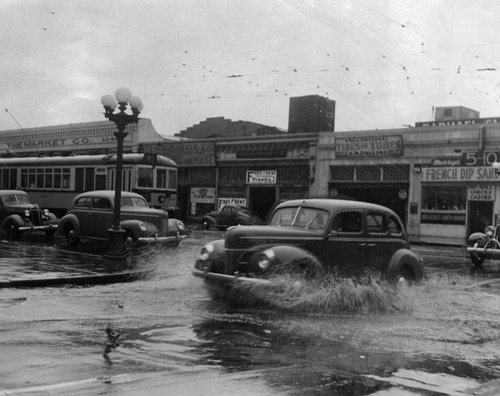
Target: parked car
(18, 215)
(230, 215)
(313, 237)
(91, 215)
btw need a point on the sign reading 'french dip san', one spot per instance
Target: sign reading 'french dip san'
(459, 173)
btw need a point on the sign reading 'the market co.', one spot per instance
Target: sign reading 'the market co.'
(261, 177)
(369, 146)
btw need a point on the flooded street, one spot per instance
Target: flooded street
(441, 337)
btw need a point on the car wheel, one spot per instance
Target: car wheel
(405, 275)
(205, 224)
(12, 230)
(304, 267)
(477, 259)
(70, 234)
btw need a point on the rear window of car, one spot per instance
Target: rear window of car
(375, 223)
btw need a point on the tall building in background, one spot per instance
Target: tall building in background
(312, 113)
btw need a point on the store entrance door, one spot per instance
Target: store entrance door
(262, 200)
(480, 215)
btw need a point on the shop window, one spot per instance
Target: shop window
(342, 173)
(395, 173)
(368, 173)
(444, 198)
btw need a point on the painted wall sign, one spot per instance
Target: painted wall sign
(454, 174)
(481, 192)
(63, 142)
(261, 177)
(470, 121)
(262, 153)
(203, 194)
(186, 154)
(443, 218)
(226, 201)
(375, 146)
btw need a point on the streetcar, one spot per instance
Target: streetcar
(53, 182)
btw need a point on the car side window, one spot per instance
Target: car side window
(83, 202)
(101, 203)
(226, 211)
(394, 226)
(375, 223)
(347, 222)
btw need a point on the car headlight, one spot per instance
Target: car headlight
(142, 226)
(27, 213)
(489, 231)
(180, 225)
(46, 212)
(206, 251)
(265, 259)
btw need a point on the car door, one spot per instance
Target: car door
(345, 244)
(227, 216)
(100, 217)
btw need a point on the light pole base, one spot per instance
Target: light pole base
(116, 253)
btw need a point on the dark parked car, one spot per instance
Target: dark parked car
(91, 215)
(230, 215)
(313, 237)
(18, 215)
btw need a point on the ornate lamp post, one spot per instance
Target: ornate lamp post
(121, 119)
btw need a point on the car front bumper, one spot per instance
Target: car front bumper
(156, 239)
(484, 251)
(225, 278)
(48, 227)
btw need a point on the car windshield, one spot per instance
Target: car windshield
(133, 202)
(15, 199)
(300, 217)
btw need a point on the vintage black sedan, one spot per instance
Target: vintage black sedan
(313, 237)
(18, 215)
(230, 215)
(91, 215)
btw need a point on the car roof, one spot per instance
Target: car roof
(108, 194)
(8, 192)
(334, 205)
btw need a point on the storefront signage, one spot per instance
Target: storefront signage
(261, 177)
(203, 194)
(227, 201)
(470, 121)
(63, 142)
(186, 154)
(262, 153)
(481, 158)
(481, 192)
(443, 161)
(453, 174)
(371, 146)
(443, 218)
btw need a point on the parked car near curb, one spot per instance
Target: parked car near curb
(91, 215)
(230, 215)
(313, 237)
(18, 215)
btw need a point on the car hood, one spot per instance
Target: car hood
(20, 208)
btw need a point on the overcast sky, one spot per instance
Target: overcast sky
(386, 63)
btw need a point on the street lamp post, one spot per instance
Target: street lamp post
(123, 97)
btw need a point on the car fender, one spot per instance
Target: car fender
(476, 236)
(69, 219)
(13, 218)
(402, 258)
(134, 227)
(52, 217)
(286, 254)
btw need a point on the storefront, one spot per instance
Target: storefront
(256, 172)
